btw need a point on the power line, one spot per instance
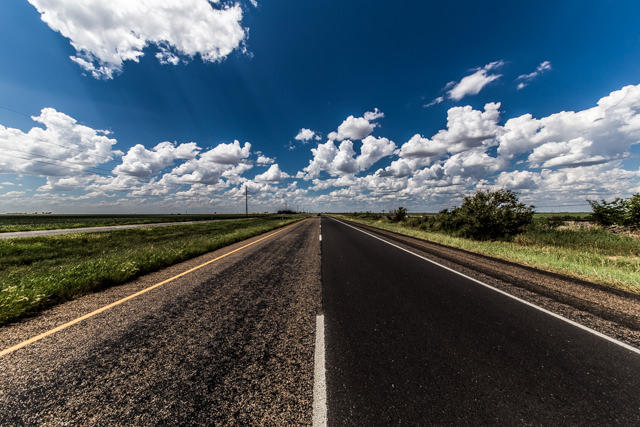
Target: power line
(105, 158)
(246, 199)
(66, 167)
(33, 155)
(14, 111)
(88, 171)
(51, 142)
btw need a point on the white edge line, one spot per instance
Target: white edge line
(319, 378)
(544, 310)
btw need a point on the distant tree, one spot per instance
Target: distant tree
(619, 211)
(446, 220)
(609, 213)
(398, 215)
(633, 210)
(490, 215)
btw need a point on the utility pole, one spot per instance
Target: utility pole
(246, 201)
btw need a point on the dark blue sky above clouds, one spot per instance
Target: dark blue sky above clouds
(163, 106)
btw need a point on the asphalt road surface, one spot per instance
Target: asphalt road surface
(232, 344)
(409, 343)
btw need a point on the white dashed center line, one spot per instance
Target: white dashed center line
(319, 378)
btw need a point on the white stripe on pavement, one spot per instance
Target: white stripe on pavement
(319, 378)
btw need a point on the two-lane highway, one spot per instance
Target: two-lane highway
(230, 339)
(411, 343)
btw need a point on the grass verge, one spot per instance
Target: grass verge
(589, 254)
(38, 272)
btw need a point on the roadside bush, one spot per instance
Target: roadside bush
(414, 222)
(487, 215)
(491, 215)
(609, 213)
(398, 215)
(445, 220)
(618, 212)
(633, 210)
(369, 215)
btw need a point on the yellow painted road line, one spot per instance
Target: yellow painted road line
(132, 296)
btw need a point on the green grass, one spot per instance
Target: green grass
(563, 215)
(14, 222)
(38, 272)
(595, 255)
(594, 240)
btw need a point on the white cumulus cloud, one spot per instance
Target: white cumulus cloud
(105, 34)
(273, 174)
(356, 128)
(596, 135)
(264, 160)
(227, 154)
(142, 163)
(341, 160)
(374, 149)
(474, 163)
(62, 148)
(474, 83)
(226, 160)
(466, 128)
(306, 135)
(518, 180)
(419, 146)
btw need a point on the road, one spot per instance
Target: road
(229, 344)
(410, 343)
(232, 343)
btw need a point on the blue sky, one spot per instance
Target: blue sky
(174, 106)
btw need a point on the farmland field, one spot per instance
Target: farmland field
(19, 222)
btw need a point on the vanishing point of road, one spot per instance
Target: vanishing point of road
(323, 325)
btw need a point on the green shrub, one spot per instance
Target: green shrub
(618, 212)
(609, 213)
(633, 210)
(491, 215)
(487, 215)
(398, 215)
(414, 221)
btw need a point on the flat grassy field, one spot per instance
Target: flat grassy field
(578, 216)
(38, 272)
(592, 254)
(17, 222)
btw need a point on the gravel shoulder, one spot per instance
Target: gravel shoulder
(613, 312)
(229, 344)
